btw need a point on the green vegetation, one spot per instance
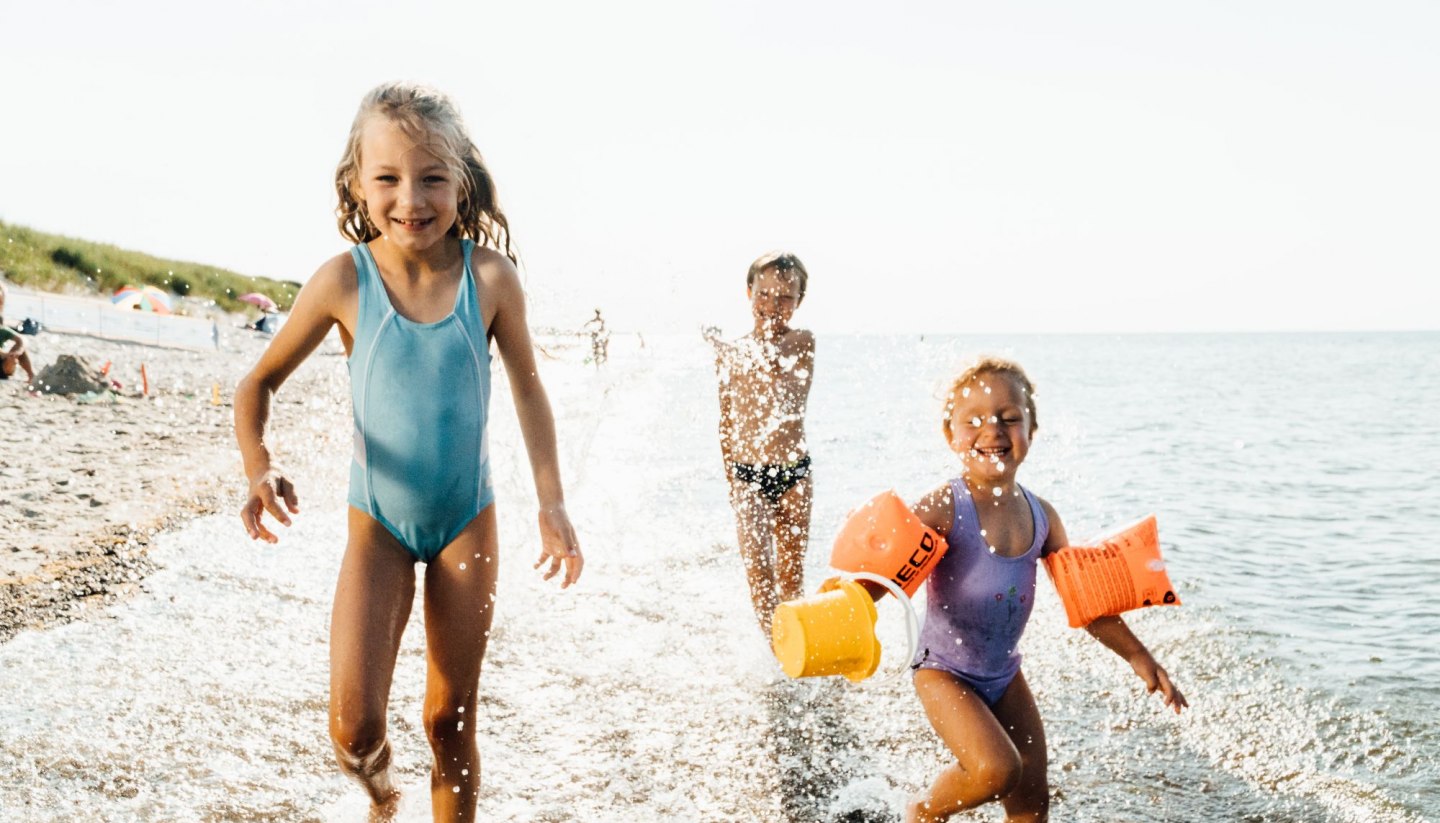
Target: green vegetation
(49, 262)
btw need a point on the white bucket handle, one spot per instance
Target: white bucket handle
(912, 625)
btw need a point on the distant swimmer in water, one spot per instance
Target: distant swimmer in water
(419, 300)
(599, 338)
(764, 382)
(967, 669)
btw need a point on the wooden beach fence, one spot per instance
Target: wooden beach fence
(97, 318)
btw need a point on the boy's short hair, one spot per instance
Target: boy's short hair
(782, 262)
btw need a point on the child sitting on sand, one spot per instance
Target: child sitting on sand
(419, 299)
(765, 381)
(12, 348)
(979, 598)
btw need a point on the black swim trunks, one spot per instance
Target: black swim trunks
(772, 481)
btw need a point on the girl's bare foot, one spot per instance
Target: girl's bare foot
(385, 810)
(917, 811)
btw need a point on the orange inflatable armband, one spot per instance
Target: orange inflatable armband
(1118, 572)
(883, 537)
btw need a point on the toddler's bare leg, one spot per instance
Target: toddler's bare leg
(459, 606)
(987, 765)
(1029, 802)
(792, 535)
(754, 519)
(372, 602)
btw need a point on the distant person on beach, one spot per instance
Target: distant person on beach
(429, 285)
(967, 669)
(13, 353)
(765, 381)
(265, 324)
(599, 338)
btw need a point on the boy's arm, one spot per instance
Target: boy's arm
(727, 419)
(1112, 631)
(559, 544)
(804, 370)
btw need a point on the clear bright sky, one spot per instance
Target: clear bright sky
(940, 167)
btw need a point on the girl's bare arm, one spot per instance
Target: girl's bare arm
(311, 318)
(1113, 632)
(507, 324)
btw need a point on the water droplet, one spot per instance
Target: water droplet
(457, 789)
(462, 567)
(965, 392)
(460, 725)
(460, 709)
(997, 491)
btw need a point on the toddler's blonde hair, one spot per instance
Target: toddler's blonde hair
(987, 365)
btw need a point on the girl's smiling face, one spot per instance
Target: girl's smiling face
(990, 427)
(409, 193)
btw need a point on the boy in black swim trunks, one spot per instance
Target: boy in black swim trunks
(765, 381)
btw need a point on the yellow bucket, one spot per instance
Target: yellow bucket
(829, 632)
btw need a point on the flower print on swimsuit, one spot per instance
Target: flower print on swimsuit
(407, 191)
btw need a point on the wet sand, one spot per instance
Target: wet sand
(86, 483)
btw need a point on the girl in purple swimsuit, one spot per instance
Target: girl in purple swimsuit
(967, 668)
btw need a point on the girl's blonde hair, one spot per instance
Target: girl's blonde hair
(427, 116)
(987, 365)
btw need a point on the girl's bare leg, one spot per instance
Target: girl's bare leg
(987, 764)
(754, 522)
(792, 535)
(459, 605)
(372, 602)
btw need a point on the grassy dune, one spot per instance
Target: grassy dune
(50, 262)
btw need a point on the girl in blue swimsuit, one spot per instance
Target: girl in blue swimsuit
(979, 598)
(429, 285)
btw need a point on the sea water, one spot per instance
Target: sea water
(1294, 477)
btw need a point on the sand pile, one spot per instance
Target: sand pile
(71, 375)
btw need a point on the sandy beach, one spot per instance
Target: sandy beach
(86, 482)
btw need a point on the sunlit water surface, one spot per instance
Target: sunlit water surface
(1295, 480)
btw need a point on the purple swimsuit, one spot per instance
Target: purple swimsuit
(978, 602)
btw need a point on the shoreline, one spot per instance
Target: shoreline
(86, 484)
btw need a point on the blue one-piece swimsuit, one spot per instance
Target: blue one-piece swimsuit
(978, 602)
(420, 393)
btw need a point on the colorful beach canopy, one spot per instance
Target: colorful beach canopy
(147, 298)
(258, 299)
